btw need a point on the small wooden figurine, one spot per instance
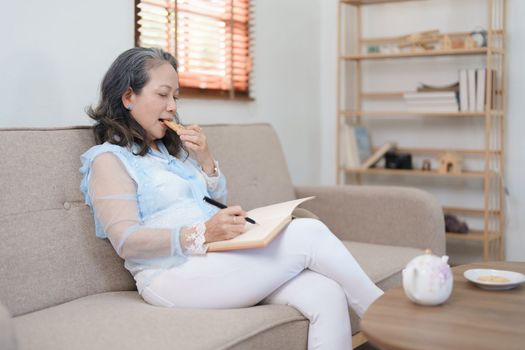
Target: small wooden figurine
(446, 42)
(469, 43)
(450, 163)
(420, 41)
(427, 165)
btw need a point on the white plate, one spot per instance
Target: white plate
(515, 278)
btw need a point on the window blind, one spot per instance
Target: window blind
(209, 38)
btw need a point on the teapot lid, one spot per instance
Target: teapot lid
(428, 258)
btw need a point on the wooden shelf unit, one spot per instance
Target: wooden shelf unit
(397, 114)
(379, 56)
(413, 172)
(469, 211)
(371, 2)
(492, 154)
(436, 151)
(473, 235)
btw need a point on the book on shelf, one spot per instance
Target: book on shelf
(481, 86)
(430, 96)
(434, 107)
(435, 88)
(362, 139)
(473, 89)
(431, 101)
(471, 82)
(463, 91)
(271, 220)
(492, 74)
(356, 146)
(348, 147)
(378, 154)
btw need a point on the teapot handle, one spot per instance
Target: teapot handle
(413, 271)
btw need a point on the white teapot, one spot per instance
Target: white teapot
(427, 279)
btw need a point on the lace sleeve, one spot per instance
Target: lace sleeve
(114, 196)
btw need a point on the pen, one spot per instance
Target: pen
(222, 206)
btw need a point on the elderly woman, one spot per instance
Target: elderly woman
(146, 182)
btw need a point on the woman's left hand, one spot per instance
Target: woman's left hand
(195, 141)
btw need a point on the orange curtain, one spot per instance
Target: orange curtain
(209, 38)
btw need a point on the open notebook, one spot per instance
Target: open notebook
(270, 222)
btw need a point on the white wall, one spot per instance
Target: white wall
(54, 54)
(391, 20)
(287, 84)
(515, 130)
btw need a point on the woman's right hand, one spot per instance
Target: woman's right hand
(226, 224)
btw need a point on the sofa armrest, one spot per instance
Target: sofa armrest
(384, 215)
(7, 330)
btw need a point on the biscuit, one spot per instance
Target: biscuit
(172, 125)
(491, 278)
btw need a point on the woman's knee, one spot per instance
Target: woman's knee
(309, 222)
(306, 231)
(307, 226)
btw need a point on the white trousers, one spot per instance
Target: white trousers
(306, 267)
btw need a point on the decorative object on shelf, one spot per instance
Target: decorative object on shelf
(427, 165)
(421, 40)
(450, 163)
(430, 40)
(458, 40)
(469, 43)
(373, 49)
(427, 279)
(453, 224)
(394, 160)
(445, 42)
(378, 154)
(363, 144)
(356, 146)
(422, 87)
(479, 36)
(389, 49)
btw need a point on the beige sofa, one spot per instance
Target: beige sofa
(63, 288)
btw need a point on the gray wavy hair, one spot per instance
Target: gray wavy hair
(114, 122)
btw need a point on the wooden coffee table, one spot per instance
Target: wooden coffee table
(472, 318)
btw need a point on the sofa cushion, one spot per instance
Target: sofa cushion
(94, 321)
(381, 261)
(49, 252)
(122, 320)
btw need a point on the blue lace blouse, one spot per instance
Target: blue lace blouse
(140, 203)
